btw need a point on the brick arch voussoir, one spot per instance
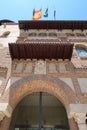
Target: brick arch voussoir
(43, 83)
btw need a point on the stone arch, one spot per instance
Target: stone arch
(41, 83)
(79, 45)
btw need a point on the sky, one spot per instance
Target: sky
(16, 10)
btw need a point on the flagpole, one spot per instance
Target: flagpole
(47, 8)
(54, 11)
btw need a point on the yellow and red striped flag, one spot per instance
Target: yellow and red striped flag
(37, 14)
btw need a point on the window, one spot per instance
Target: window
(32, 34)
(81, 51)
(70, 34)
(5, 34)
(52, 34)
(42, 34)
(80, 34)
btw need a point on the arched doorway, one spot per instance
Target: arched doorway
(39, 111)
(41, 83)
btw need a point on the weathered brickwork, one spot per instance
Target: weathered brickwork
(73, 125)
(4, 125)
(42, 76)
(5, 63)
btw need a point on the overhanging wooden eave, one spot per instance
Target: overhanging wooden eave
(53, 24)
(41, 50)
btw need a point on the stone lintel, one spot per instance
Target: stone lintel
(78, 112)
(77, 108)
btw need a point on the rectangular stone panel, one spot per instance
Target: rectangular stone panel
(28, 68)
(83, 84)
(61, 68)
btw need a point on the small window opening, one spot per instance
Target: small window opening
(86, 119)
(5, 34)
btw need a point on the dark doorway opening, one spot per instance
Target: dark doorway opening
(39, 111)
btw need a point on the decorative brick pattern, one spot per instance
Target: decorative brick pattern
(37, 83)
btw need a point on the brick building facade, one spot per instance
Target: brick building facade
(47, 58)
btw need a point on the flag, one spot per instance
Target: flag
(37, 14)
(46, 13)
(54, 14)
